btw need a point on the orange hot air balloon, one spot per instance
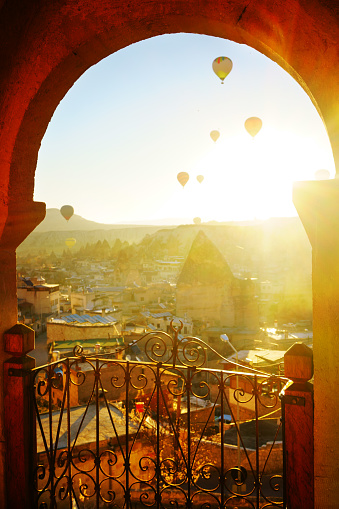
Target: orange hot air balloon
(200, 178)
(197, 220)
(183, 178)
(70, 242)
(67, 211)
(214, 135)
(253, 125)
(222, 66)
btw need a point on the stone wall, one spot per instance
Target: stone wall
(274, 464)
(76, 332)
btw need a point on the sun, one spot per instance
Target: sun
(249, 178)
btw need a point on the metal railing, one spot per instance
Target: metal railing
(164, 430)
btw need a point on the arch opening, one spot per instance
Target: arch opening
(219, 158)
(147, 111)
(53, 47)
(87, 49)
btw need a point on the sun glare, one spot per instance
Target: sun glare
(250, 178)
(119, 162)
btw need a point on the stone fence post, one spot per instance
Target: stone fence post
(19, 422)
(297, 411)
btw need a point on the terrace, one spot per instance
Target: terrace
(103, 432)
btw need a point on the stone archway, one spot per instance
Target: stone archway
(44, 48)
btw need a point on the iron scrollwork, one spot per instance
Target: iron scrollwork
(169, 430)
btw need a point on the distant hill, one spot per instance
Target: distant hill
(51, 234)
(262, 248)
(55, 222)
(275, 250)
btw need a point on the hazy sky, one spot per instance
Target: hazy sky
(118, 139)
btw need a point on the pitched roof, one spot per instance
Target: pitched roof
(86, 415)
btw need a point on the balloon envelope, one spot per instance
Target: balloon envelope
(222, 66)
(197, 220)
(200, 178)
(183, 178)
(70, 242)
(67, 211)
(253, 125)
(214, 135)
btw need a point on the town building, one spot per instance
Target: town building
(94, 298)
(68, 331)
(162, 321)
(37, 300)
(240, 338)
(168, 270)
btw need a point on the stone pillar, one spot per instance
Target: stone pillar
(19, 421)
(317, 203)
(297, 406)
(8, 317)
(16, 222)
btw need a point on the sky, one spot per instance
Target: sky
(131, 123)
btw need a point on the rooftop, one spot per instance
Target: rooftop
(88, 426)
(84, 319)
(148, 314)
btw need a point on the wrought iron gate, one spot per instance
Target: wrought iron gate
(163, 430)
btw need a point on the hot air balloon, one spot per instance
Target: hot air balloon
(222, 66)
(70, 242)
(214, 135)
(197, 220)
(67, 211)
(322, 175)
(253, 125)
(200, 178)
(183, 178)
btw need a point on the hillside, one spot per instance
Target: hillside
(54, 222)
(51, 234)
(261, 248)
(278, 245)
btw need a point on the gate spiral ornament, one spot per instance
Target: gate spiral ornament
(154, 433)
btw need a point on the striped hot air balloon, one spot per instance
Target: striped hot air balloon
(222, 66)
(183, 178)
(70, 242)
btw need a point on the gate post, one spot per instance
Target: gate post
(297, 411)
(19, 425)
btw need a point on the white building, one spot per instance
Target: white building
(44, 297)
